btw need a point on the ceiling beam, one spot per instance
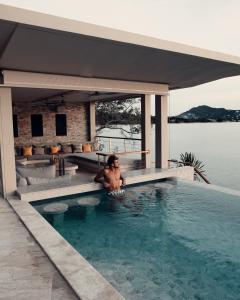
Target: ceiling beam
(113, 96)
(63, 82)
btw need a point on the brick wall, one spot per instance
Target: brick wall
(77, 124)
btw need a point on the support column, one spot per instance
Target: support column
(146, 128)
(8, 171)
(92, 120)
(161, 132)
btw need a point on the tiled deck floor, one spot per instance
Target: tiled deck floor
(25, 271)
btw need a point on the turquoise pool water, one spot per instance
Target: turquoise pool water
(169, 242)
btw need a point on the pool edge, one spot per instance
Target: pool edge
(82, 277)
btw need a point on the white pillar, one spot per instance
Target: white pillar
(8, 172)
(146, 128)
(92, 120)
(161, 132)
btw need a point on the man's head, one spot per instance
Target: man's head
(113, 161)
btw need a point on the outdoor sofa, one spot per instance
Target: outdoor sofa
(85, 157)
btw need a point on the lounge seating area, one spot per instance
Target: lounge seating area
(40, 151)
(39, 175)
(40, 164)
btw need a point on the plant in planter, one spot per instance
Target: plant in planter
(189, 159)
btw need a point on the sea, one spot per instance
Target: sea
(217, 145)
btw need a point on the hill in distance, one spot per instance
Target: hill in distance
(206, 113)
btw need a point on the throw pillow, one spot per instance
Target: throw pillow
(77, 148)
(67, 148)
(18, 150)
(22, 181)
(27, 151)
(38, 150)
(87, 148)
(54, 149)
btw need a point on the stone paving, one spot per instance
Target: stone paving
(25, 271)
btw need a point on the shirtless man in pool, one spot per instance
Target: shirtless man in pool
(111, 177)
(112, 181)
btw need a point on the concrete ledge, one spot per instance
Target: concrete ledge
(132, 177)
(145, 175)
(52, 192)
(87, 283)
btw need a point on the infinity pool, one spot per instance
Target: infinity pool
(167, 241)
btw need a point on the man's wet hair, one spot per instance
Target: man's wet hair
(111, 159)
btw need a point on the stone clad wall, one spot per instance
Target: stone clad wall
(77, 124)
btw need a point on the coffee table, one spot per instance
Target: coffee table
(69, 168)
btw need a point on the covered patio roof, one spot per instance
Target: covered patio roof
(41, 43)
(43, 96)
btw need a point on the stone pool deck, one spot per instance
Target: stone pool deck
(25, 270)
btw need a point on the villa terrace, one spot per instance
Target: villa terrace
(53, 89)
(53, 70)
(41, 125)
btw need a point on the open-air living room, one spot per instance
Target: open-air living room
(55, 138)
(59, 145)
(52, 136)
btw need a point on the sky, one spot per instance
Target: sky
(209, 24)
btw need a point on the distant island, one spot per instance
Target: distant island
(199, 114)
(206, 114)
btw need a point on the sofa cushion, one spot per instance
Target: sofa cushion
(77, 148)
(39, 157)
(54, 149)
(21, 161)
(41, 172)
(66, 148)
(38, 180)
(22, 181)
(27, 151)
(47, 147)
(18, 151)
(87, 148)
(38, 151)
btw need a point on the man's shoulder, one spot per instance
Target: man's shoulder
(105, 170)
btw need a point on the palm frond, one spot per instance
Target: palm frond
(189, 159)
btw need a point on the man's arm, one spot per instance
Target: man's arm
(123, 179)
(99, 177)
